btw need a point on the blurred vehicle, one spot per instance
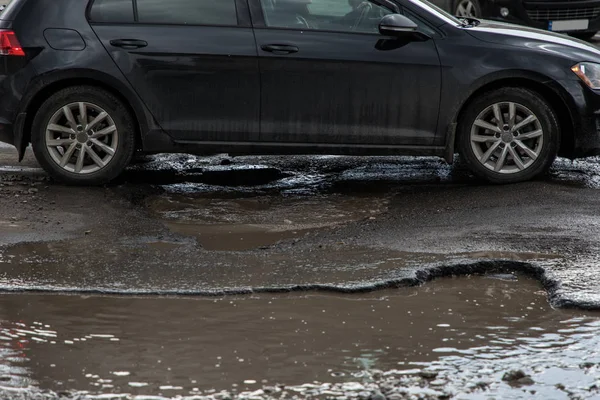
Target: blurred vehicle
(578, 18)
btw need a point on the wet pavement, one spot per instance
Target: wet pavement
(234, 242)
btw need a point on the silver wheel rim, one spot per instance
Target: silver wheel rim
(507, 138)
(82, 138)
(466, 8)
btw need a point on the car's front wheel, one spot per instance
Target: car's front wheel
(508, 135)
(83, 135)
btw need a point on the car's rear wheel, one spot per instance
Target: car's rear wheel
(83, 135)
(467, 8)
(508, 135)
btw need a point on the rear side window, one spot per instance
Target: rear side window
(184, 12)
(112, 11)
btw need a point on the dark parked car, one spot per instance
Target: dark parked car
(579, 18)
(90, 83)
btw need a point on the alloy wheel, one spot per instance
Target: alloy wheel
(82, 138)
(507, 137)
(466, 8)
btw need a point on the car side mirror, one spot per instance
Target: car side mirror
(397, 25)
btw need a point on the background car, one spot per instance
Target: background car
(93, 81)
(579, 18)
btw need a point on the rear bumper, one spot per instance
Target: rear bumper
(538, 14)
(16, 77)
(7, 132)
(12, 133)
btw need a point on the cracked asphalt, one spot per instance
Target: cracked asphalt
(297, 223)
(191, 227)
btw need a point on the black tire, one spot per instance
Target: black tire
(116, 110)
(583, 35)
(538, 106)
(476, 8)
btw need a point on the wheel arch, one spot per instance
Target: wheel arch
(51, 84)
(549, 90)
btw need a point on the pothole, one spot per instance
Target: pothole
(457, 335)
(247, 223)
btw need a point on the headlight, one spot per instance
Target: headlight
(589, 73)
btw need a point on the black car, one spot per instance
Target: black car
(89, 83)
(579, 18)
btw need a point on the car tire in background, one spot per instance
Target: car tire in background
(83, 135)
(583, 35)
(508, 135)
(467, 8)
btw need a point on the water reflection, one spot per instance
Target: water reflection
(470, 330)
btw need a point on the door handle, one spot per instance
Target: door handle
(280, 48)
(129, 43)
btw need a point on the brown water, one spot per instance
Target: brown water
(174, 346)
(247, 223)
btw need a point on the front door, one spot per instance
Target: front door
(328, 76)
(193, 63)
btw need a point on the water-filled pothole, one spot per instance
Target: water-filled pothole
(469, 330)
(246, 223)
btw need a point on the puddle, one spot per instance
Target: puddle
(469, 330)
(176, 266)
(236, 224)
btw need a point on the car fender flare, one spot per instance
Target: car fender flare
(46, 84)
(524, 78)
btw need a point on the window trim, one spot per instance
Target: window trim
(239, 4)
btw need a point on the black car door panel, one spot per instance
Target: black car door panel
(325, 86)
(200, 82)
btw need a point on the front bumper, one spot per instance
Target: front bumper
(538, 14)
(583, 140)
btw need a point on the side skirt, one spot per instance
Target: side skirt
(272, 148)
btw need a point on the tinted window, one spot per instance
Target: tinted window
(336, 15)
(112, 11)
(194, 12)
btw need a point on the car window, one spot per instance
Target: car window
(331, 15)
(184, 12)
(112, 11)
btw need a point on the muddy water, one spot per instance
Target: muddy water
(471, 329)
(246, 223)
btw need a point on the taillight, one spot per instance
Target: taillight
(9, 44)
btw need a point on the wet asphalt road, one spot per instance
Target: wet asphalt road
(262, 227)
(188, 226)
(303, 223)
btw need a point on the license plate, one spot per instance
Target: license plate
(569, 25)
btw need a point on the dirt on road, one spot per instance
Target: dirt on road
(320, 227)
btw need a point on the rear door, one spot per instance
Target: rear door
(193, 62)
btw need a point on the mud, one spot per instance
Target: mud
(468, 332)
(332, 225)
(251, 222)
